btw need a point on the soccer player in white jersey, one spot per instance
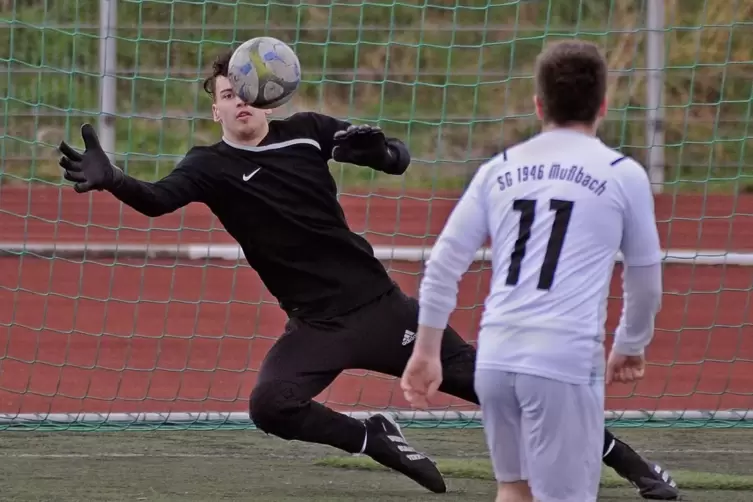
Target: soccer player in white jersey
(558, 208)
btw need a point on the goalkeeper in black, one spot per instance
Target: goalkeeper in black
(269, 183)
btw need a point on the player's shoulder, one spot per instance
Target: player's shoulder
(309, 116)
(307, 124)
(199, 153)
(490, 167)
(305, 121)
(626, 169)
(520, 152)
(200, 158)
(504, 158)
(602, 155)
(297, 119)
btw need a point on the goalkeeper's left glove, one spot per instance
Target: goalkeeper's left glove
(362, 145)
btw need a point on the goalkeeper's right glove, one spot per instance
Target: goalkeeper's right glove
(362, 145)
(92, 170)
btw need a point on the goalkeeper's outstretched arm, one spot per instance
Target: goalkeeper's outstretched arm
(92, 170)
(177, 189)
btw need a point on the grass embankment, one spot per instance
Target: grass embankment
(452, 79)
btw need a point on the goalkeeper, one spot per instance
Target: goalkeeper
(269, 184)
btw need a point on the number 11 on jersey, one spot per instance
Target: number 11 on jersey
(527, 208)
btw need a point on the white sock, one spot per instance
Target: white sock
(365, 437)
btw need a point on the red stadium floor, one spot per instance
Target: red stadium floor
(169, 335)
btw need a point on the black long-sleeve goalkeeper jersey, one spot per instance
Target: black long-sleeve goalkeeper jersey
(278, 200)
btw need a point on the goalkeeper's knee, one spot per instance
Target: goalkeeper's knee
(277, 408)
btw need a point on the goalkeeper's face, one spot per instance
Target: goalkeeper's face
(239, 121)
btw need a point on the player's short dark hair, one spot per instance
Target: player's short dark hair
(219, 69)
(571, 82)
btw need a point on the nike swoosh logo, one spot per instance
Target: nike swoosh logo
(247, 177)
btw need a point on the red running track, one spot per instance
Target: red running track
(168, 335)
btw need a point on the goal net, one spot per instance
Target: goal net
(110, 318)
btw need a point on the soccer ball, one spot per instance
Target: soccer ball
(264, 72)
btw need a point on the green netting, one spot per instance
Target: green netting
(109, 320)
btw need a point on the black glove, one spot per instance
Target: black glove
(362, 145)
(93, 169)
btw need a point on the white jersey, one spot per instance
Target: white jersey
(558, 209)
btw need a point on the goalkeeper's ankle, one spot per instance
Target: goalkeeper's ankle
(365, 440)
(626, 461)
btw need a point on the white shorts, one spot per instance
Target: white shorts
(547, 432)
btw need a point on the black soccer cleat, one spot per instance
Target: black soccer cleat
(651, 481)
(658, 486)
(387, 445)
